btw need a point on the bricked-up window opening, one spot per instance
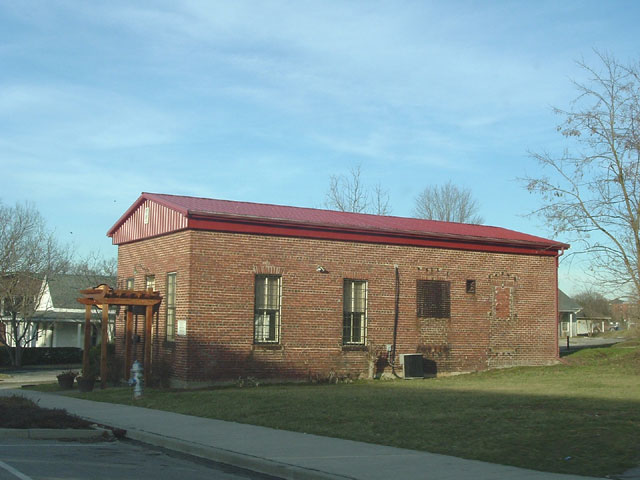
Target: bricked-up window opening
(171, 306)
(267, 309)
(354, 323)
(150, 282)
(129, 283)
(434, 299)
(471, 286)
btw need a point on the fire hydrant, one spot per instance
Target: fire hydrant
(135, 379)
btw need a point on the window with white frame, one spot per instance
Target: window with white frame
(267, 309)
(354, 323)
(150, 282)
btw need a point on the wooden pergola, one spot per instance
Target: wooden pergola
(103, 297)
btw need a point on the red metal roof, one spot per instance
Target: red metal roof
(201, 210)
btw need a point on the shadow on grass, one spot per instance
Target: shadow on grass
(576, 348)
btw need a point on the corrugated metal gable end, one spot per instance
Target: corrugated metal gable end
(159, 220)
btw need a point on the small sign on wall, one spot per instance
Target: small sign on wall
(182, 327)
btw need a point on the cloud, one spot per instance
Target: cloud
(263, 101)
(347, 54)
(69, 117)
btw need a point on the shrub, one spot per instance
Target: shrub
(161, 372)
(20, 412)
(114, 364)
(44, 356)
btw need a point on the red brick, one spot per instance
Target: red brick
(509, 320)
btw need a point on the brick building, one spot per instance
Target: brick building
(286, 292)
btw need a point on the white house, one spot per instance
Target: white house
(574, 322)
(59, 318)
(568, 310)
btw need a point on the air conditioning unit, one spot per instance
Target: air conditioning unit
(412, 365)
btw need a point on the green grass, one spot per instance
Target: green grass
(582, 416)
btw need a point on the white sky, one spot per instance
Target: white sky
(262, 101)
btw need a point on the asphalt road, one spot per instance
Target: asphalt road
(587, 342)
(48, 460)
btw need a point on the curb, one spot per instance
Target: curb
(56, 433)
(228, 457)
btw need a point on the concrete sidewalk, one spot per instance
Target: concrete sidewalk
(281, 453)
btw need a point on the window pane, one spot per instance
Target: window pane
(260, 293)
(272, 326)
(358, 296)
(346, 327)
(260, 335)
(171, 289)
(356, 334)
(273, 293)
(171, 306)
(266, 327)
(348, 295)
(171, 321)
(355, 307)
(267, 308)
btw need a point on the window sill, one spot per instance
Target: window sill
(354, 348)
(267, 346)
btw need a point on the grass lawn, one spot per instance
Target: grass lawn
(579, 417)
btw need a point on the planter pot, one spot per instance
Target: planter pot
(66, 381)
(85, 384)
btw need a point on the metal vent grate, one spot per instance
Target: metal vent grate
(434, 298)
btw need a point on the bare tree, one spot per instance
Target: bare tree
(592, 190)
(28, 253)
(380, 201)
(448, 203)
(594, 304)
(347, 193)
(94, 264)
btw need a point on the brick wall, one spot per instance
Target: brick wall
(509, 320)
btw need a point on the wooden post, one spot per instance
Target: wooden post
(103, 350)
(148, 322)
(87, 339)
(128, 337)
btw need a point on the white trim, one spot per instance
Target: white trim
(14, 472)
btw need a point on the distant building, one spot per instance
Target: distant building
(285, 292)
(626, 312)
